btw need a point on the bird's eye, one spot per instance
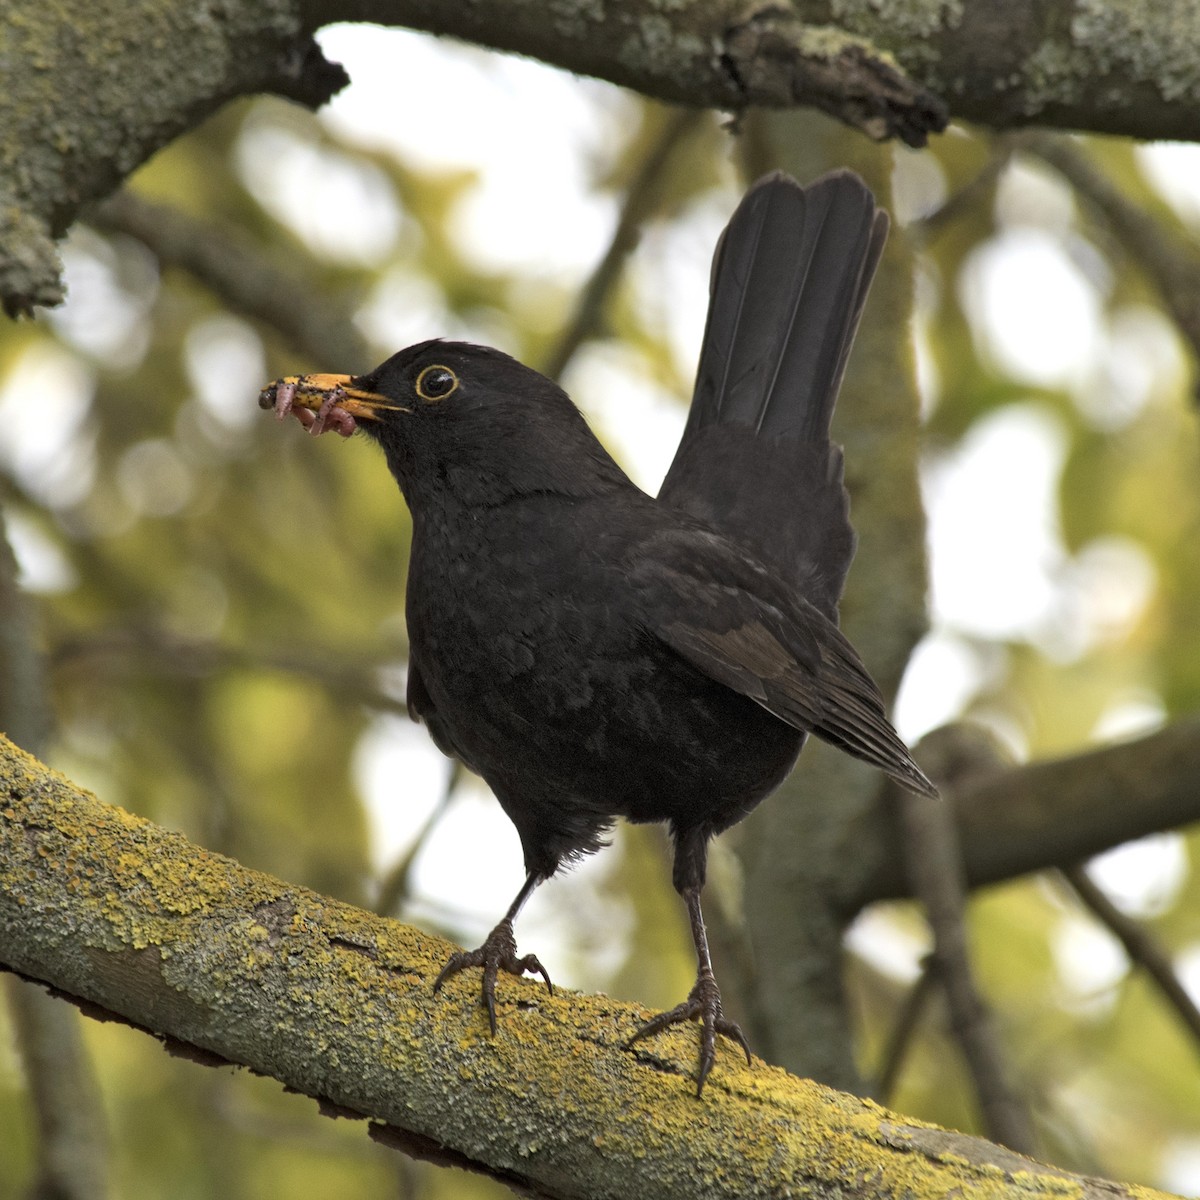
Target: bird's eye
(436, 383)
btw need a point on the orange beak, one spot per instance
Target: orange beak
(325, 403)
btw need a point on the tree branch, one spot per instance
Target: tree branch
(334, 1002)
(93, 89)
(718, 54)
(71, 1135)
(934, 866)
(1129, 68)
(800, 848)
(636, 207)
(119, 652)
(317, 325)
(1140, 944)
(1160, 248)
(903, 1032)
(97, 86)
(1011, 819)
(1051, 813)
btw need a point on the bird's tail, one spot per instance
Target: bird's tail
(790, 279)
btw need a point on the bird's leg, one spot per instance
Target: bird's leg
(703, 1002)
(498, 953)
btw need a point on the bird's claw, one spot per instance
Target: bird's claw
(704, 1005)
(498, 953)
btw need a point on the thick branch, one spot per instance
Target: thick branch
(337, 1003)
(1130, 68)
(1051, 813)
(714, 54)
(92, 88)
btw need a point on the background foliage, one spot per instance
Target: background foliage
(219, 598)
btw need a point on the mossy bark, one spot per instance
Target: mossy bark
(337, 1003)
(94, 87)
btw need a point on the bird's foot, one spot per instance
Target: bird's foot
(704, 1005)
(498, 953)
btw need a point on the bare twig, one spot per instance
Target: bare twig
(165, 654)
(394, 886)
(903, 1031)
(967, 196)
(1167, 255)
(318, 325)
(635, 209)
(1140, 944)
(937, 877)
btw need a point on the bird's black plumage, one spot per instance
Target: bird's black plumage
(595, 653)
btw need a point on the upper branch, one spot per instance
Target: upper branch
(337, 1003)
(94, 87)
(894, 70)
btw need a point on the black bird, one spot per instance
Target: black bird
(595, 653)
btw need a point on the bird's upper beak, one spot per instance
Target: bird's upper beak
(325, 402)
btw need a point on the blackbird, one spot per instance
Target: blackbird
(593, 652)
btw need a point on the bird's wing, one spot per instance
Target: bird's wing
(724, 614)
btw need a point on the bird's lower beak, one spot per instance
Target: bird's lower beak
(324, 402)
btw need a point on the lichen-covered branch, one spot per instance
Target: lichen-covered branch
(92, 88)
(337, 1003)
(1131, 68)
(726, 54)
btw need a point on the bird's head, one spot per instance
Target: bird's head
(457, 417)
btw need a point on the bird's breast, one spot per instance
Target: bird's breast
(533, 654)
(507, 602)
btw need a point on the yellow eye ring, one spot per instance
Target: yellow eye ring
(436, 383)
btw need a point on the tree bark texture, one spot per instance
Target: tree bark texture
(137, 923)
(94, 87)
